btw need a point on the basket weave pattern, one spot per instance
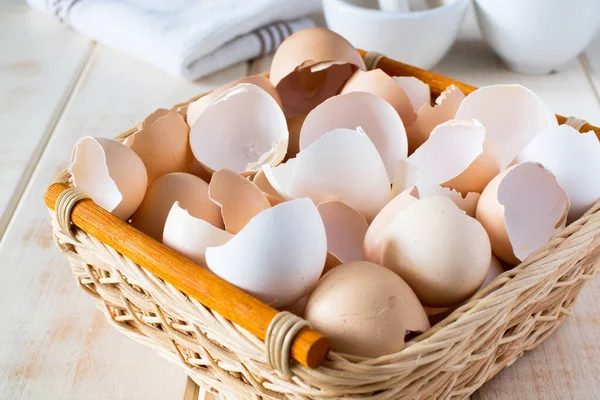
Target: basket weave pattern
(516, 312)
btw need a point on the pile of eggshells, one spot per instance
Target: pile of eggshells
(346, 195)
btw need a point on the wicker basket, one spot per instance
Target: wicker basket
(514, 314)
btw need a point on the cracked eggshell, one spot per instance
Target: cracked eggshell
(110, 173)
(342, 165)
(240, 200)
(382, 85)
(512, 115)
(241, 130)
(521, 209)
(310, 66)
(196, 108)
(294, 126)
(418, 92)
(280, 178)
(345, 228)
(428, 116)
(357, 302)
(494, 271)
(360, 109)
(162, 144)
(190, 191)
(468, 167)
(443, 254)
(190, 236)
(574, 159)
(278, 256)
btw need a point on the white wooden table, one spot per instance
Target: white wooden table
(57, 86)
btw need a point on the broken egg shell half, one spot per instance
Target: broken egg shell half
(345, 228)
(418, 92)
(310, 66)
(428, 116)
(242, 129)
(574, 159)
(190, 191)
(278, 256)
(442, 253)
(190, 236)
(294, 127)
(512, 115)
(494, 271)
(196, 108)
(162, 144)
(521, 209)
(110, 173)
(360, 109)
(356, 302)
(468, 167)
(240, 200)
(383, 86)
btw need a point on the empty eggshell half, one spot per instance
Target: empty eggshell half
(494, 271)
(418, 92)
(190, 236)
(190, 191)
(521, 209)
(241, 130)
(574, 159)
(310, 66)
(162, 144)
(456, 155)
(240, 200)
(196, 108)
(405, 177)
(110, 173)
(512, 115)
(280, 178)
(428, 116)
(382, 85)
(365, 310)
(278, 256)
(345, 228)
(294, 127)
(374, 115)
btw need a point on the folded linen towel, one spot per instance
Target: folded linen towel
(188, 38)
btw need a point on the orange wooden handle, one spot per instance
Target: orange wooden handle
(309, 347)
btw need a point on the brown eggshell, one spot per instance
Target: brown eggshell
(294, 126)
(365, 310)
(345, 228)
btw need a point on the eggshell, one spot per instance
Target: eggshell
(298, 306)
(381, 85)
(240, 200)
(260, 181)
(162, 144)
(190, 236)
(278, 256)
(365, 310)
(439, 251)
(280, 178)
(468, 167)
(574, 159)
(294, 126)
(494, 271)
(521, 209)
(190, 191)
(345, 228)
(330, 262)
(110, 173)
(310, 66)
(241, 130)
(428, 116)
(418, 92)
(374, 115)
(405, 177)
(466, 203)
(342, 165)
(512, 115)
(196, 108)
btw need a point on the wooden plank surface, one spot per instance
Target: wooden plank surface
(54, 342)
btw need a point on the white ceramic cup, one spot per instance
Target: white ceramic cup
(538, 36)
(420, 38)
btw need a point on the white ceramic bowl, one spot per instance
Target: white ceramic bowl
(419, 38)
(538, 36)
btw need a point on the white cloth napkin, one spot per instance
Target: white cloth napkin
(188, 38)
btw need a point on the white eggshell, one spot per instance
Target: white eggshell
(280, 177)
(405, 177)
(374, 115)
(466, 203)
(574, 159)
(278, 256)
(190, 236)
(242, 129)
(110, 173)
(345, 228)
(512, 115)
(418, 92)
(521, 209)
(494, 271)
